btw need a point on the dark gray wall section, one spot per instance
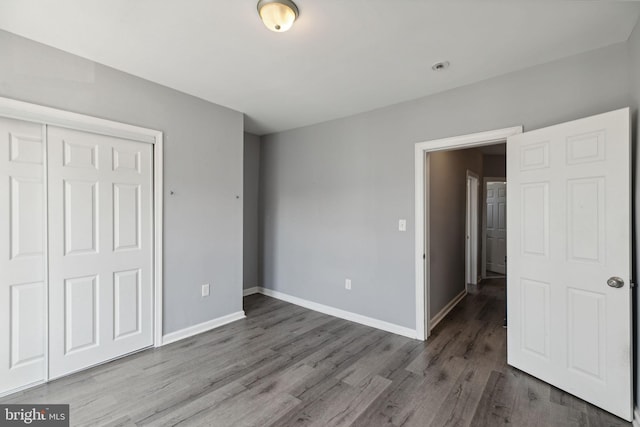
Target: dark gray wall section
(202, 165)
(495, 166)
(250, 234)
(448, 211)
(333, 192)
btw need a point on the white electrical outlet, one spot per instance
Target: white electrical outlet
(402, 225)
(347, 284)
(205, 290)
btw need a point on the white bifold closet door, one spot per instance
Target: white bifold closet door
(22, 254)
(100, 248)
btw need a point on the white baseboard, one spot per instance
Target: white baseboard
(636, 417)
(250, 291)
(336, 312)
(446, 309)
(22, 388)
(201, 327)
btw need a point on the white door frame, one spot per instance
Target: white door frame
(485, 181)
(422, 150)
(471, 228)
(19, 110)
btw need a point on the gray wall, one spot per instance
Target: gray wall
(332, 193)
(495, 166)
(250, 231)
(202, 165)
(634, 51)
(448, 211)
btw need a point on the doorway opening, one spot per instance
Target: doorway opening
(448, 209)
(457, 204)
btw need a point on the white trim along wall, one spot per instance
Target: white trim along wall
(19, 110)
(332, 311)
(201, 327)
(422, 149)
(446, 309)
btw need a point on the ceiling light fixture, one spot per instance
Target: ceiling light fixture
(278, 15)
(440, 66)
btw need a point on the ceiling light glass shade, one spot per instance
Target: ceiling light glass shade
(277, 15)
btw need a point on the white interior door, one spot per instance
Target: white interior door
(472, 230)
(569, 233)
(496, 226)
(22, 254)
(100, 248)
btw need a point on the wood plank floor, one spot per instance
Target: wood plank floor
(285, 366)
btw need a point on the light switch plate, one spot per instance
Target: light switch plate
(205, 290)
(402, 225)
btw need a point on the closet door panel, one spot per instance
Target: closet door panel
(100, 248)
(22, 254)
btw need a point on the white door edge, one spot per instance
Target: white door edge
(45, 180)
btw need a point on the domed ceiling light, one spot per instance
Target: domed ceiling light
(278, 15)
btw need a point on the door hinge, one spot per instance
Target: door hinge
(424, 256)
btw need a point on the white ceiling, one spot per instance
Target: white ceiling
(342, 56)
